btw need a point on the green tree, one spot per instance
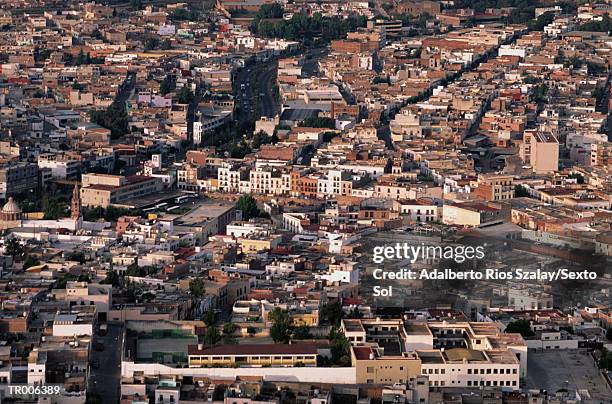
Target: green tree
(605, 25)
(211, 335)
(30, 261)
(166, 45)
(248, 205)
(209, 318)
(185, 95)
(196, 287)
(355, 313)
(605, 362)
(520, 191)
(151, 43)
(273, 10)
(281, 326)
(522, 327)
(229, 328)
(112, 278)
(319, 122)
(301, 332)
(340, 348)
(333, 313)
(166, 85)
(113, 118)
(543, 20)
(261, 138)
(539, 94)
(53, 210)
(182, 14)
(78, 256)
(14, 248)
(134, 270)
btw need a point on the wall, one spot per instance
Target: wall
(552, 344)
(302, 375)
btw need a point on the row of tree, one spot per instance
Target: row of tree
(114, 118)
(303, 27)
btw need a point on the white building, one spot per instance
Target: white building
(343, 272)
(72, 324)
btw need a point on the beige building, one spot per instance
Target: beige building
(249, 355)
(105, 190)
(372, 367)
(540, 151)
(474, 213)
(495, 187)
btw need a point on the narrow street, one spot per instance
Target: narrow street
(105, 374)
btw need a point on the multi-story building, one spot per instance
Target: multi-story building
(275, 355)
(419, 210)
(229, 176)
(540, 152)
(268, 180)
(17, 178)
(63, 166)
(449, 353)
(495, 187)
(105, 190)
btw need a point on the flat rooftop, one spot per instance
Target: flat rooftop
(417, 329)
(431, 357)
(203, 213)
(460, 354)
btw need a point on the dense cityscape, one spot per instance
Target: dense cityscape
(309, 202)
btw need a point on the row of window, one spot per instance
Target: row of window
(471, 371)
(494, 383)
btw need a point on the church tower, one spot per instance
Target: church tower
(75, 204)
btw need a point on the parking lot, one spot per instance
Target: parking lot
(571, 370)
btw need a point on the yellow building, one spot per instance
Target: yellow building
(374, 368)
(308, 318)
(257, 355)
(255, 245)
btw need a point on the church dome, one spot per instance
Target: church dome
(11, 207)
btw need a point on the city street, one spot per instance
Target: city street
(105, 378)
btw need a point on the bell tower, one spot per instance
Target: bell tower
(75, 203)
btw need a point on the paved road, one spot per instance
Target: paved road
(125, 90)
(105, 379)
(254, 86)
(254, 89)
(244, 93)
(268, 102)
